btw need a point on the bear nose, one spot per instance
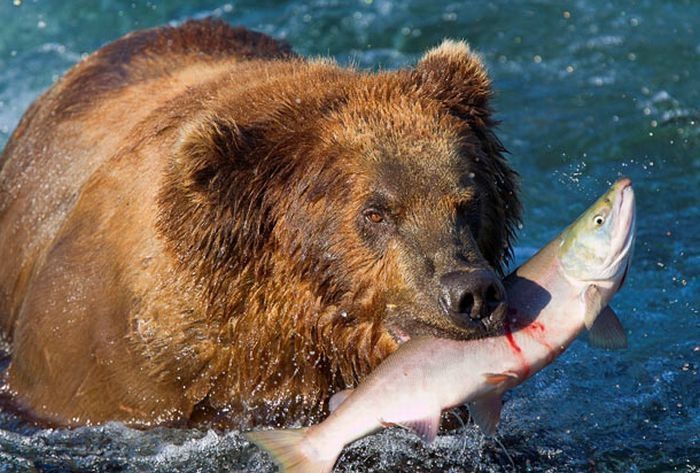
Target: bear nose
(471, 295)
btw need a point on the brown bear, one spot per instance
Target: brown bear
(199, 225)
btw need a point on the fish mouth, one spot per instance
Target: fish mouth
(625, 216)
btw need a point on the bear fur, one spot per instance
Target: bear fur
(199, 225)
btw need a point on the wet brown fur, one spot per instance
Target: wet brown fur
(180, 221)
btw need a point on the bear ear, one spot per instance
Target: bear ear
(456, 76)
(208, 151)
(210, 206)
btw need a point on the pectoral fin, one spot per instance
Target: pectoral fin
(499, 378)
(425, 428)
(338, 398)
(607, 331)
(594, 304)
(486, 413)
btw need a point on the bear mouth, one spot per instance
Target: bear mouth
(403, 328)
(399, 335)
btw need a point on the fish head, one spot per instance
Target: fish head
(598, 246)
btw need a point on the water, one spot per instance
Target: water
(587, 91)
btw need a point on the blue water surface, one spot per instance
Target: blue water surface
(587, 91)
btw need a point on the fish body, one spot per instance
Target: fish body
(561, 290)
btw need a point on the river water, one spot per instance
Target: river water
(586, 91)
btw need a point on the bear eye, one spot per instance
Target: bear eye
(598, 220)
(373, 216)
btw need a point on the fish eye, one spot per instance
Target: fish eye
(598, 220)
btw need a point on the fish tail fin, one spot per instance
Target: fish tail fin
(285, 448)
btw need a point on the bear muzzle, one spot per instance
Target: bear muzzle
(473, 296)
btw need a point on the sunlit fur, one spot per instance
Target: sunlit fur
(188, 244)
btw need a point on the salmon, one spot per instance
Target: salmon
(562, 290)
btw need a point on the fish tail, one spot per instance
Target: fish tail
(285, 448)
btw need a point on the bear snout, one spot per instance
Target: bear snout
(471, 296)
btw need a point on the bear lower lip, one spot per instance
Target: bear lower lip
(399, 335)
(402, 331)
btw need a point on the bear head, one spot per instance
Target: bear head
(328, 215)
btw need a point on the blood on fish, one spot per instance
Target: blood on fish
(511, 341)
(536, 330)
(516, 348)
(536, 327)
